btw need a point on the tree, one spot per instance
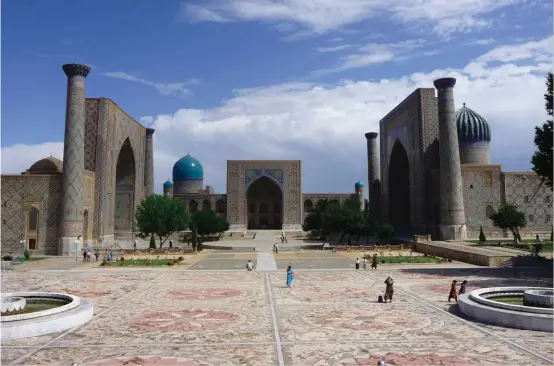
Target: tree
(482, 237)
(542, 159)
(152, 242)
(314, 221)
(385, 232)
(204, 223)
(161, 216)
(508, 217)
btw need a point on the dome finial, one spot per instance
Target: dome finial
(464, 103)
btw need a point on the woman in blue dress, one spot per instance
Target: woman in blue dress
(290, 276)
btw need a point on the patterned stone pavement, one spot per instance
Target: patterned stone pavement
(227, 318)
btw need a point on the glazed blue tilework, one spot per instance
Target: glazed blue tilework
(252, 174)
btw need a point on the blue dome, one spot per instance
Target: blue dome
(359, 184)
(168, 184)
(471, 126)
(187, 168)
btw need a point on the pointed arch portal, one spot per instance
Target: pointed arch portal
(399, 187)
(125, 189)
(265, 197)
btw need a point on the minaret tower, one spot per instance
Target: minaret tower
(149, 163)
(359, 193)
(453, 225)
(71, 210)
(168, 189)
(373, 180)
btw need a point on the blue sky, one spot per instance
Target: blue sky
(269, 79)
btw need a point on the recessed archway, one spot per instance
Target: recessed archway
(399, 187)
(266, 195)
(125, 188)
(85, 228)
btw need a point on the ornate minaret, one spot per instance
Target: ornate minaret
(149, 163)
(71, 210)
(373, 180)
(453, 225)
(359, 193)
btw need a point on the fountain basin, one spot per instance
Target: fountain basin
(70, 313)
(479, 306)
(542, 298)
(11, 304)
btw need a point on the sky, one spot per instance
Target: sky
(272, 79)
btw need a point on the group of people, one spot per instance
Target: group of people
(87, 254)
(373, 262)
(453, 294)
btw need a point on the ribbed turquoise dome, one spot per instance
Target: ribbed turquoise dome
(359, 184)
(187, 168)
(471, 126)
(168, 184)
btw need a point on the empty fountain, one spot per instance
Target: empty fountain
(31, 314)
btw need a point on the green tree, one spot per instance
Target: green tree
(542, 159)
(161, 216)
(205, 223)
(385, 232)
(314, 221)
(482, 237)
(508, 217)
(152, 242)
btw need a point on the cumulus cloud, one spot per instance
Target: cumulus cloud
(324, 125)
(19, 157)
(175, 88)
(321, 16)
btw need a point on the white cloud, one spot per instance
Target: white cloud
(334, 48)
(378, 53)
(324, 125)
(321, 16)
(175, 89)
(18, 158)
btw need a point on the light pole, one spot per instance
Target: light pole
(22, 242)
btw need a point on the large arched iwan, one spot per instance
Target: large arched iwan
(124, 189)
(399, 188)
(265, 191)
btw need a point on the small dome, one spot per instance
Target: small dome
(359, 184)
(50, 165)
(472, 127)
(187, 168)
(168, 184)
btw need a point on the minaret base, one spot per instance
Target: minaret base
(453, 232)
(67, 247)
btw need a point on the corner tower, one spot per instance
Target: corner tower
(149, 162)
(359, 193)
(373, 179)
(453, 225)
(71, 210)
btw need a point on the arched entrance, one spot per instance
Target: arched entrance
(399, 188)
(264, 202)
(124, 189)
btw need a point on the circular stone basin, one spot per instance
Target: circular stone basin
(540, 298)
(44, 313)
(498, 306)
(11, 304)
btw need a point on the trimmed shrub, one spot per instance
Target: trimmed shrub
(152, 242)
(482, 237)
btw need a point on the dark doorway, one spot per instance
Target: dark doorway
(125, 189)
(399, 188)
(265, 204)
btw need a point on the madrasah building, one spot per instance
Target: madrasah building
(432, 175)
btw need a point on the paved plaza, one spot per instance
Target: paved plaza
(220, 315)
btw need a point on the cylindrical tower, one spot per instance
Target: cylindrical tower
(373, 179)
(474, 137)
(71, 210)
(359, 192)
(168, 188)
(451, 192)
(149, 162)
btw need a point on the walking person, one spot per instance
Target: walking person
(453, 294)
(357, 263)
(84, 255)
(249, 266)
(365, 262)
(276, 248)
(290, 276)
(389, 290)
(462, 287)
(374, 261)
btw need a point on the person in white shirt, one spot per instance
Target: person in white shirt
(249, 266)
(365, 262)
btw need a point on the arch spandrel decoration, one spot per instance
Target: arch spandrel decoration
(251, 175)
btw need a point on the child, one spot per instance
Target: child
(249, 266)
(463, 288)
(453, 294)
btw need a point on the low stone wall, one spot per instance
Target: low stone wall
(538, 298)
(454, 252)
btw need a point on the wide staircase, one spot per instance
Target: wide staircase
(263, 240)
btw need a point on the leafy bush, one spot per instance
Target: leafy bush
(27, 254)
(7, 258)
(385, 232)
(181, 259)
(537, 248)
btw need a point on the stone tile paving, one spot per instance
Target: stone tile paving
(225, 318)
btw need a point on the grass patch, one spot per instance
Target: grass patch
(406, 259)
(547, 245)
(144, 263)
